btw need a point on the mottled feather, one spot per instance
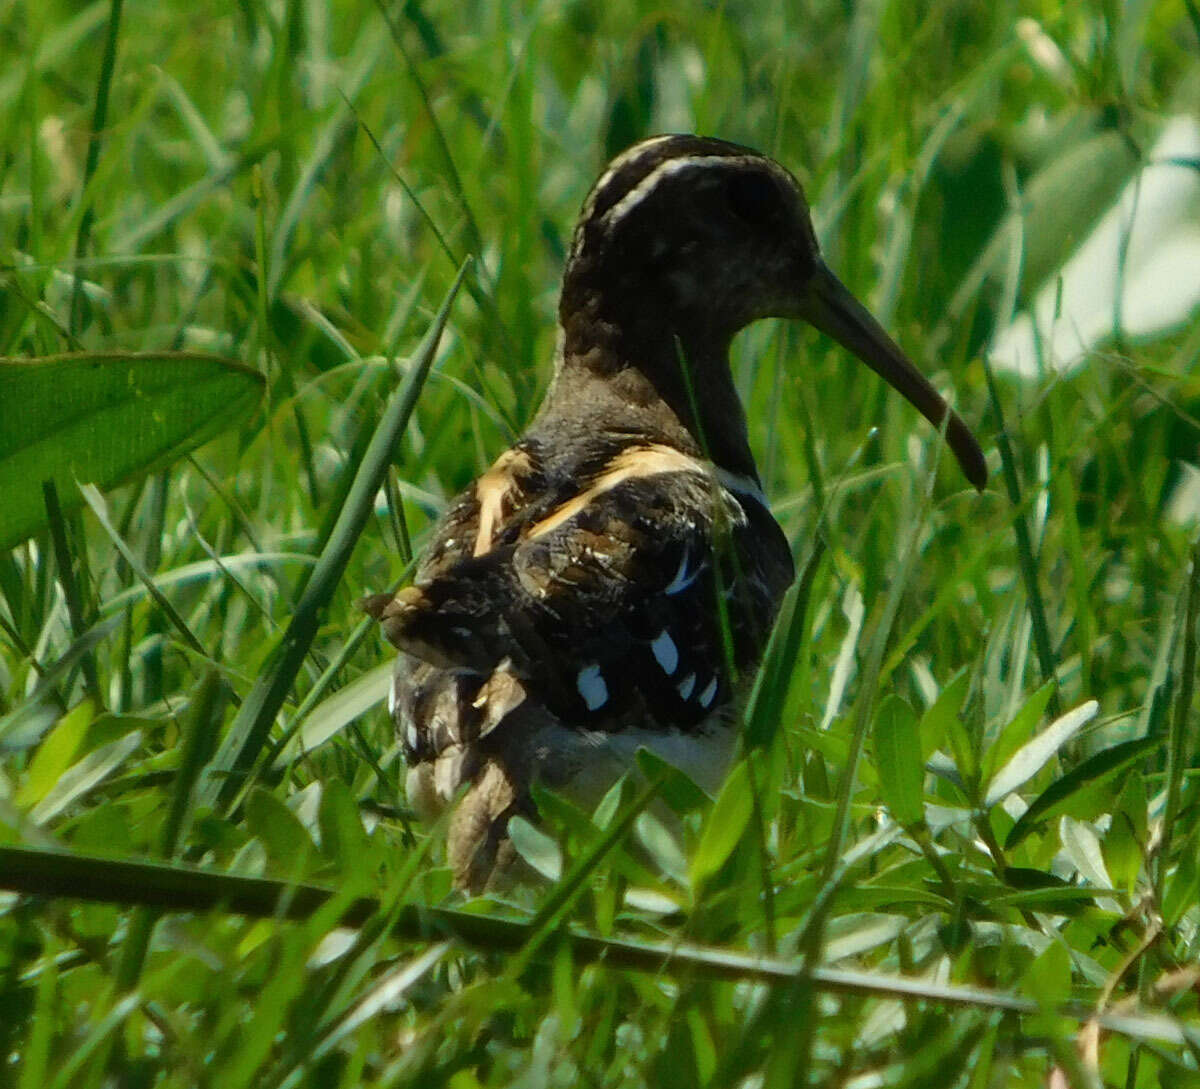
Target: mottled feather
(611, 581)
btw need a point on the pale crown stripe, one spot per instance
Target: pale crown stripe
(674, 166)
(619, 163)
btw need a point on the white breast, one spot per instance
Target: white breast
(582, 765)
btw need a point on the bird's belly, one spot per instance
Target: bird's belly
(582, 765)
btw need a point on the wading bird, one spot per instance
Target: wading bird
(611, 581)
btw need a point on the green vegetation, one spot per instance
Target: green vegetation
(933, 864)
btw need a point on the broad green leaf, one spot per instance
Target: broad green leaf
(1058, 205)
(24, 726)
(1081, 848)
(940, 723)
(289, 846)
(1022, 886)
(1133, 275)
(1048, 979)
(1124, 844)
(1017, 732)
(1032, 757)
(853, 935)
(1057, 797)
(724, 827)
(536, 848)
(942, 714)
(1068, 196)
(103, 419)
(107, 828)
(561, 817)
(554, 908)
(677, 788)
(615, 797)
(661, 843)
(343, 839)
(892, 897)
(566, 823)
(898, 760)
(337, 712)
(55, 753)
(1123, 854)
(1067, 900)
(84, 775)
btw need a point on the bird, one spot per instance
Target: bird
(611, 581)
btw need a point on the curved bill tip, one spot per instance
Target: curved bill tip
(830, 307)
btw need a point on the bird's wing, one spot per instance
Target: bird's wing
(637, 599)
(477, 518)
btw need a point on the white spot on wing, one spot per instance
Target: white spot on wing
(683, 578)
(590, 683)
(708, 695)
(412, 737)
(665, 652)
(392, 700)
(684, 688)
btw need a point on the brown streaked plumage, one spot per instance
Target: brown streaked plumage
(612, 579)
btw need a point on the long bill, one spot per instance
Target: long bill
(832, 309)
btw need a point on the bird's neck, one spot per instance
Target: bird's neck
(647, 375)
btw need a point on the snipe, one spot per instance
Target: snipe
(610, 582)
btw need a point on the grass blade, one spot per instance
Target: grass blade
(70, 584)
(1178, 734)
(253, 723)
(99, 124)
(1095, 769)
(95, 500)
(1025, 556)
(185, 888)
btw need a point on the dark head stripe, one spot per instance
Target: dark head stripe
(632, 167)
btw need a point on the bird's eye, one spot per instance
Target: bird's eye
(754, 199)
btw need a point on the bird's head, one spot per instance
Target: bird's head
(698, 237)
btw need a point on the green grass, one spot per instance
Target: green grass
(185, 679)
